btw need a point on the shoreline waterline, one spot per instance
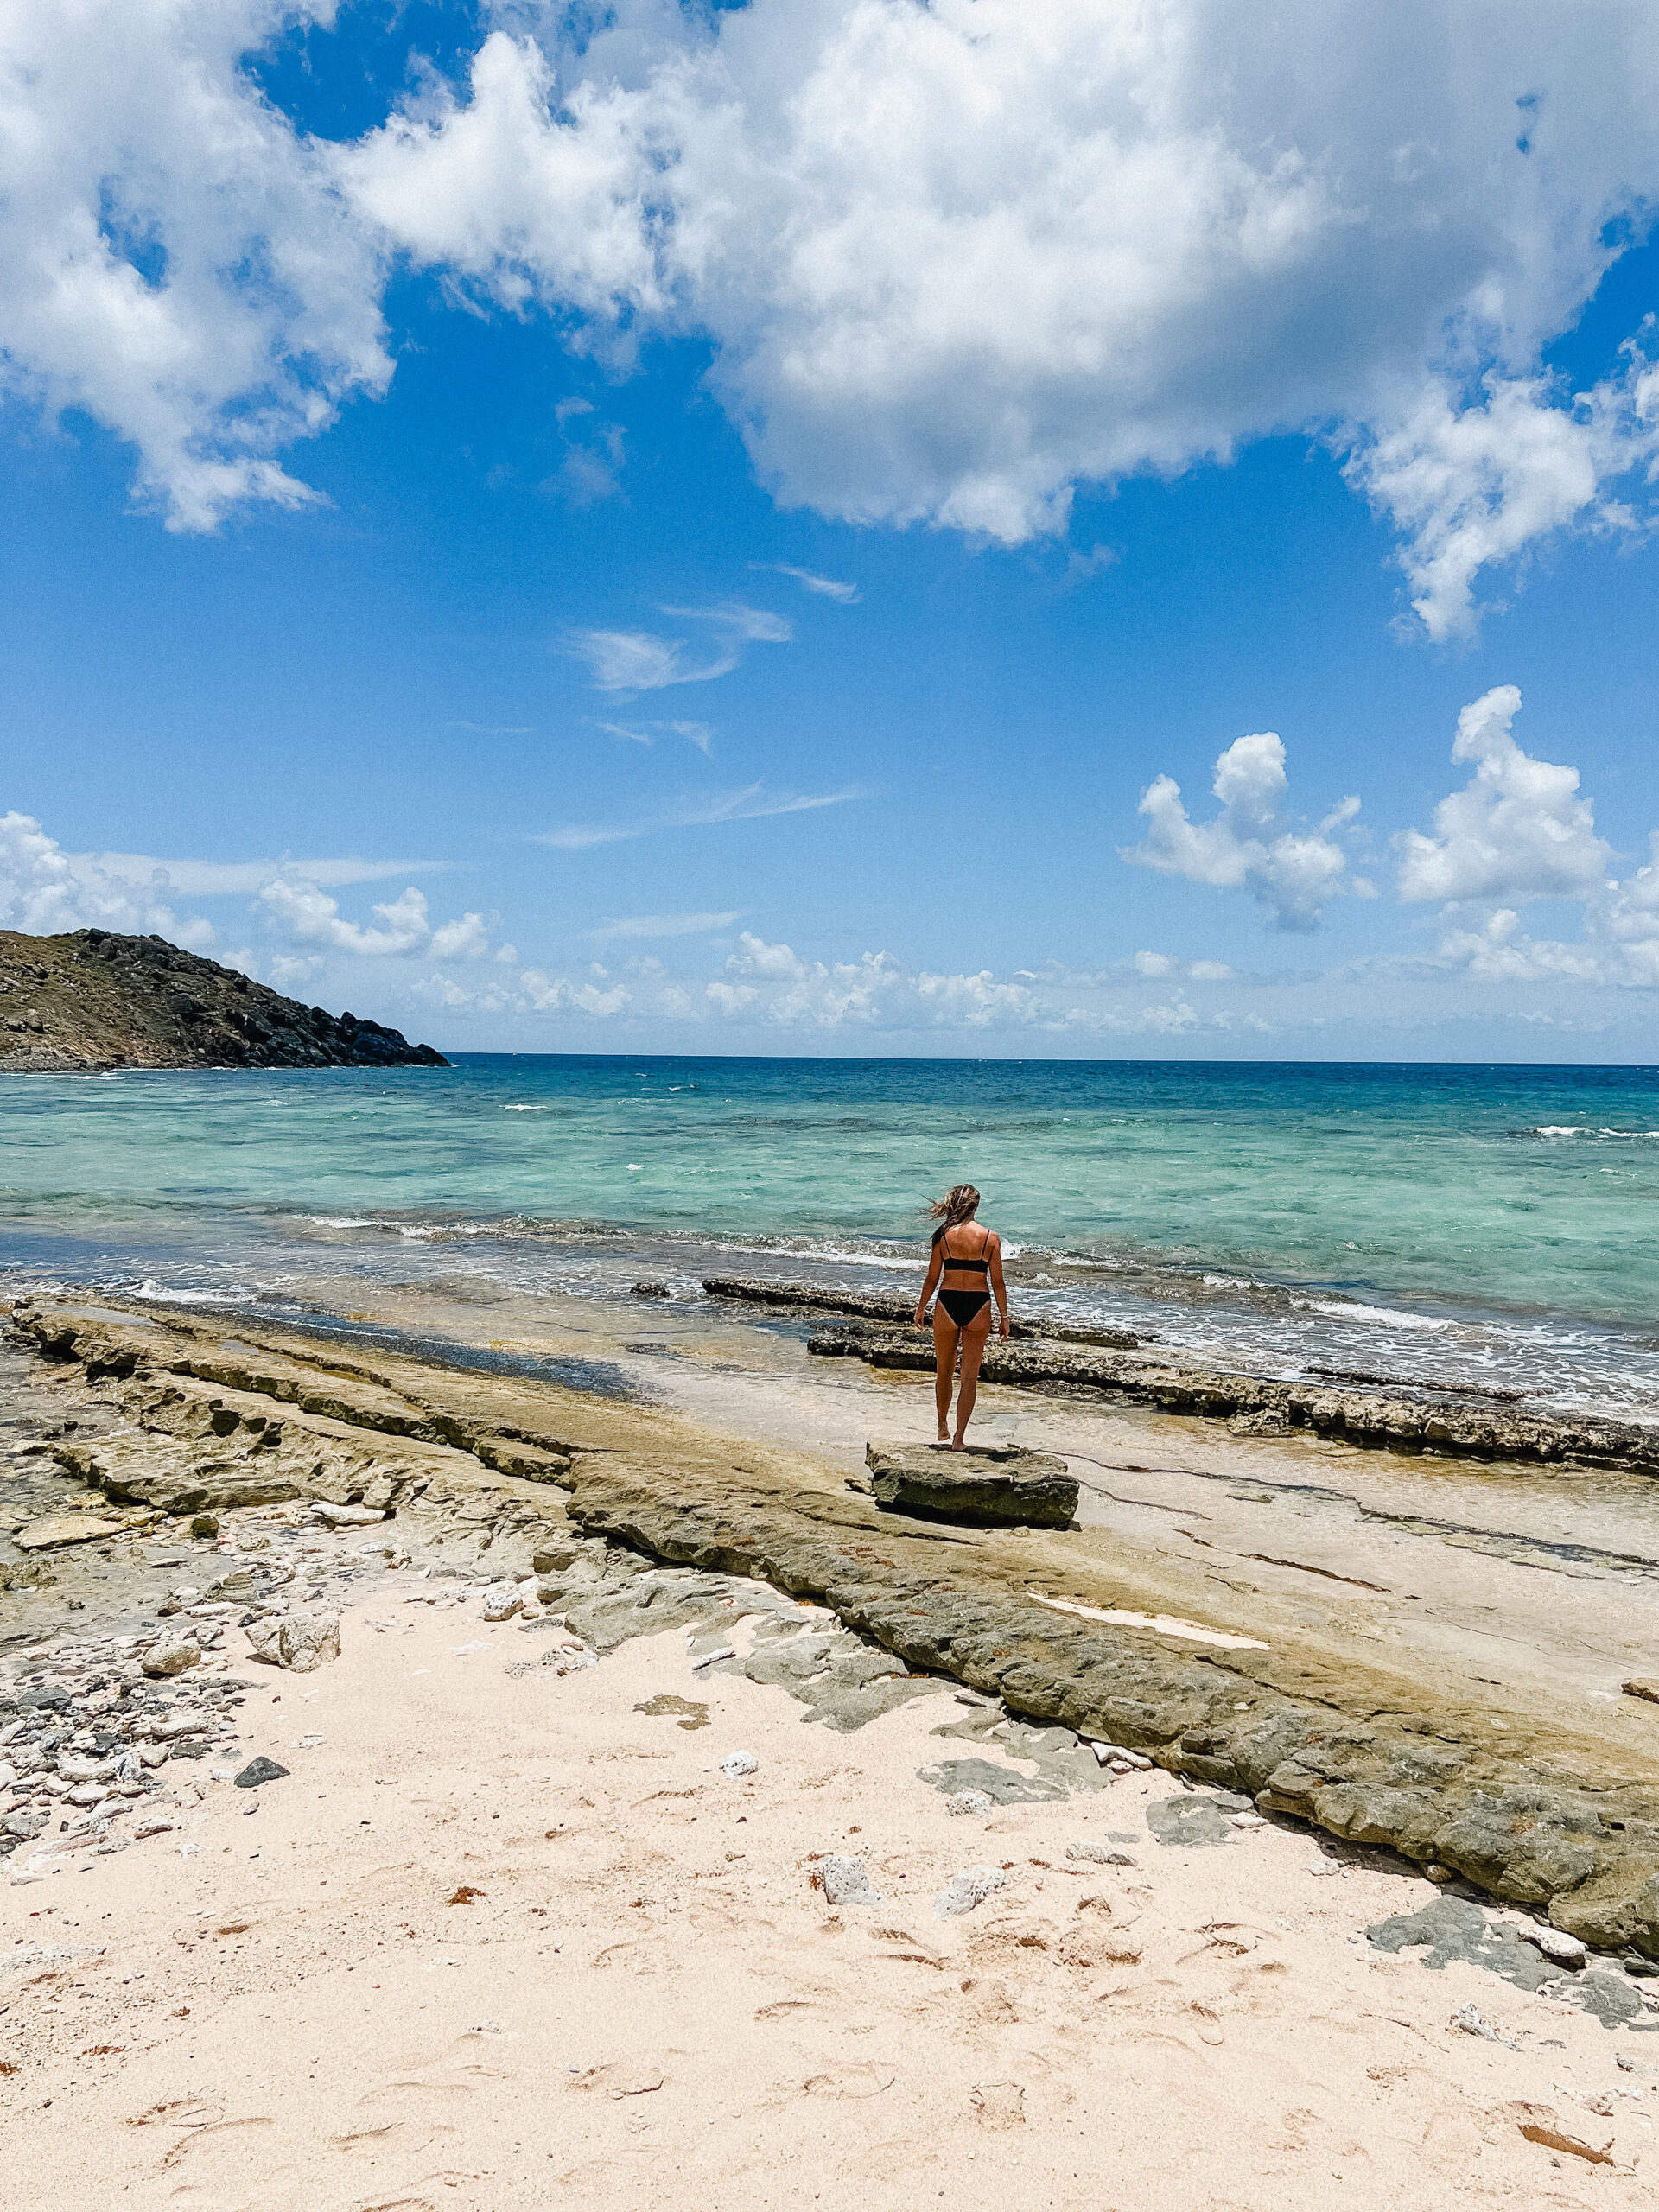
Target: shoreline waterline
(1481, 1226)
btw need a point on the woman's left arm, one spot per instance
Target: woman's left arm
(1000, 1287)
(935, 1269)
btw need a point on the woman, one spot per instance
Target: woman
(966, 1268)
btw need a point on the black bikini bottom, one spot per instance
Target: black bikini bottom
(963, 1304)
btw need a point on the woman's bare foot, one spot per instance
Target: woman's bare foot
(956, 1444)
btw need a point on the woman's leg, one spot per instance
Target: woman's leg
(945, 1333)
(975, 1337)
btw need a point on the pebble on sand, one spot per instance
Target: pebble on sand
(170, 1655)
(965, 1890)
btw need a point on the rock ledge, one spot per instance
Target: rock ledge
(985, 1489)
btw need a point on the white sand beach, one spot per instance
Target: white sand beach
(501, 1937)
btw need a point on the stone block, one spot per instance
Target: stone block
(987, 1489)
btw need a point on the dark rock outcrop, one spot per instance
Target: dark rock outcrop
(92, 999)
(756, 1290)
(985, 1490)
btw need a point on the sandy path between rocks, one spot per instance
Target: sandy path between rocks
(501, 1940)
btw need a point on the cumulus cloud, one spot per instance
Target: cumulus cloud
(771, 984)
(544, 994)
(1156, 966)
(176, 259)
(303, 911)
(1629, 919)
(1518, 829)
(45, 891)
(1470, 484)
(768, 987)
(950, 261)
(1291, 873)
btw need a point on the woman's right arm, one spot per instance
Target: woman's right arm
(935, 1269)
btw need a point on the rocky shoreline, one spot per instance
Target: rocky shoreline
(496, 1476)
(1397, 1420)
(758, 1290)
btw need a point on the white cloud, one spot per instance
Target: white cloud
(844, 594)
(1470, 484)
(753, 803)
(468, 937)
(1517, 830)
(216, 878)
(1247, 844)
(1157, 966)
(45, 891)
(1630, 919)
(305, 913)
(1520, 830)
(697, 734)
(288, 970)
(771, 985)
(629, 661)
(557, 995)
(309, 914)
(174, 259)
(637, 660)
(754, 957)
(1498, 951)
(767, 987)
(952, 260)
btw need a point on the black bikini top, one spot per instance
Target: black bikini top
(981, 1266)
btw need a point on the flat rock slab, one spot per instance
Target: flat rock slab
(67, 1528)
(989, 1489)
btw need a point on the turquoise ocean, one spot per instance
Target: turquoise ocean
(1476, 1225)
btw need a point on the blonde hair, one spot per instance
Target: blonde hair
(959, 1202)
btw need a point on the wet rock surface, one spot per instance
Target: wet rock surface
(1402, 1419)
(1456, 1930)
(807, 1297)
(982, 1488)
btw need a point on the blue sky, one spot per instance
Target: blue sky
(691, 649)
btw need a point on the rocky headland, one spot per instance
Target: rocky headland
(92, 1000)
